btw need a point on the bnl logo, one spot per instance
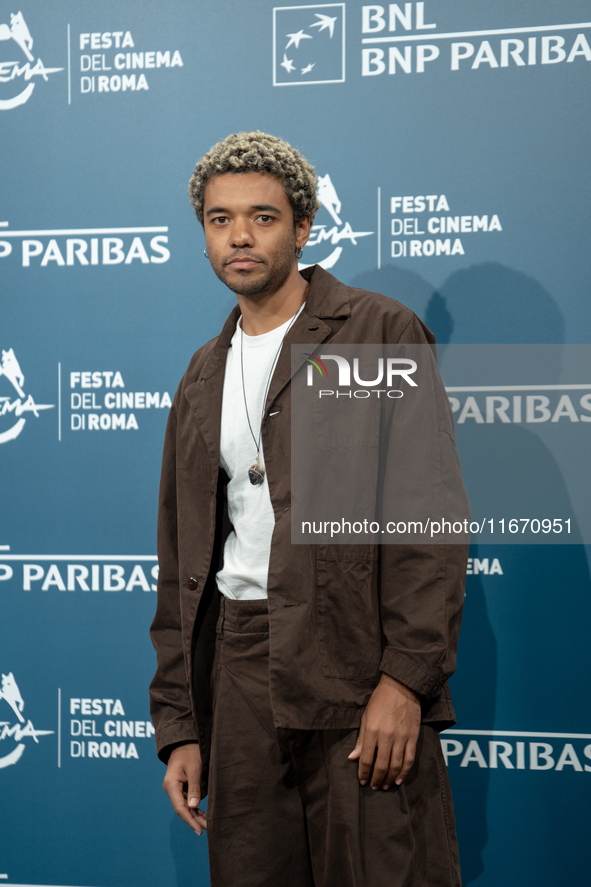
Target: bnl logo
(309, 44)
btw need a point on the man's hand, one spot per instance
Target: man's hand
(389, 732)
(182, 784)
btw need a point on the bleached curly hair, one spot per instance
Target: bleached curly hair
(243, 152)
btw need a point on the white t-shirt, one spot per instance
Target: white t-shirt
(247, 549)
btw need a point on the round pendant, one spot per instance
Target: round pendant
(256, 473)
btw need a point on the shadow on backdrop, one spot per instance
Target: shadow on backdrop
(401, 284)
(492, 303)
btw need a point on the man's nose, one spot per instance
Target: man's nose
(241, 234)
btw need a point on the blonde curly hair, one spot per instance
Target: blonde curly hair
(243, 152)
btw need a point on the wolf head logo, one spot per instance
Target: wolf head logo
(328, 197)
(11, 369)
(11, 693)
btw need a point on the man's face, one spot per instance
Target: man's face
(249, 232)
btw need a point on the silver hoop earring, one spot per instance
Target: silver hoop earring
(299, 252)
(205, 253)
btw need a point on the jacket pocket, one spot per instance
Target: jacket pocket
(347, 612)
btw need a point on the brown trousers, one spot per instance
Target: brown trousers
(285, 807)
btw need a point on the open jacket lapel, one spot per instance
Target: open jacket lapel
(327, 298)
(205, 394)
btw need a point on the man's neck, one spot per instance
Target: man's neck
(267, 312)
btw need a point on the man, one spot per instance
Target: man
(318, 724)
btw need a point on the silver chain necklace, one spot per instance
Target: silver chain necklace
(256, 472)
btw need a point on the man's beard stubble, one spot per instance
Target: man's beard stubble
(278, 270)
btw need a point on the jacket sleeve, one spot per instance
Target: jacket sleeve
(170, 703)
(422, 585)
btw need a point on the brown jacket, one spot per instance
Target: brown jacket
(339, 614)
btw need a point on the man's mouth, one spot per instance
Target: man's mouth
(243, 263)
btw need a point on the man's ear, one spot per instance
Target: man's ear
(302, 229)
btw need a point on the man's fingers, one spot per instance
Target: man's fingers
(175, 792)
(193, 794)
(182, 785)
(395, 764)
(357, 750)
(200, 817)
(195, 818)
(196, 822)
(366, 757)
(389, 750)
(392, 723)
(409, 758)
(380, 768)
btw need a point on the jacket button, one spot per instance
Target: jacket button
(187, 683)
(192, 584)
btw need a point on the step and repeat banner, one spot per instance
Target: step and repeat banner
(451, 144)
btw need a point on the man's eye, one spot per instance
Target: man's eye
(220, 219)
(265, 218)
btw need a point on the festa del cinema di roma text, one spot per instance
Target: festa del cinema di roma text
(122, 67)
(108, 738)
(90, 407)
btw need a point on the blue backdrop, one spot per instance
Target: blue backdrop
(451, 141)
